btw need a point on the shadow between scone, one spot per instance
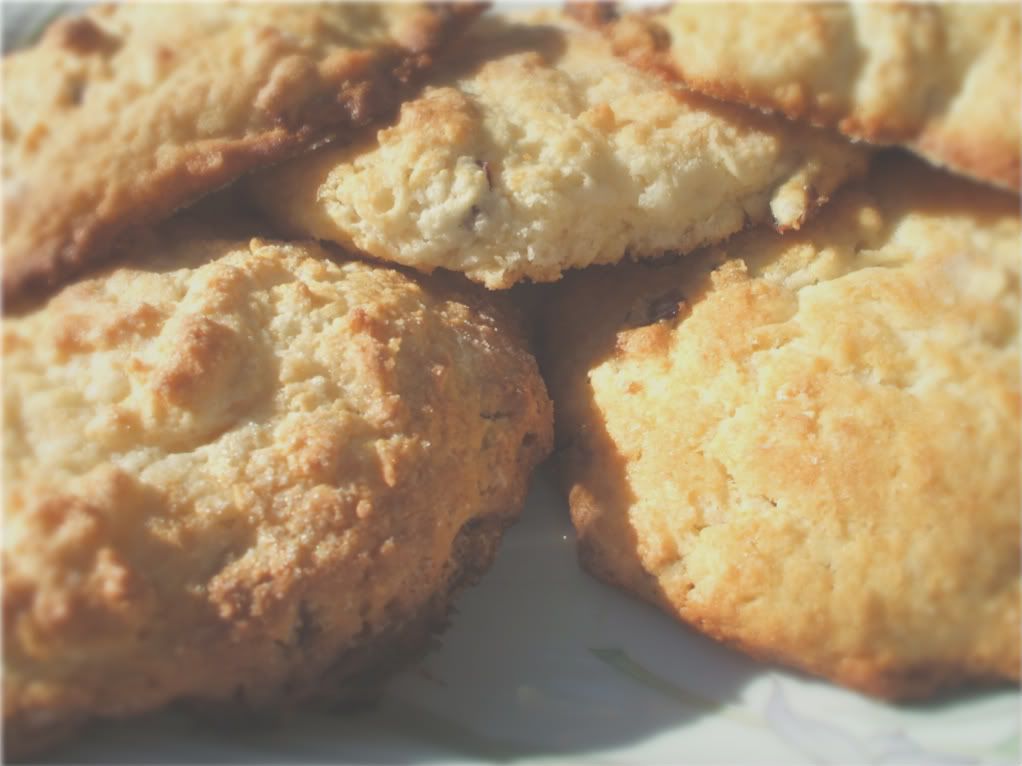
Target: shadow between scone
(542, 660)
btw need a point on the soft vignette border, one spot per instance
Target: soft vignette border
(819, 741)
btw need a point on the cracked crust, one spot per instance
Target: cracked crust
(942, 79)
(128, 112)
(811, 450)
(233, 468)
(538, 151)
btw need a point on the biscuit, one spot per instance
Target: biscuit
(237, 471)
(941, 79)
(130, 111)
(810, 450)
(537, 151)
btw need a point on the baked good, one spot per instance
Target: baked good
(239, 472)
(942, 79)
(808, 446)
(536, 150)
(129, 111)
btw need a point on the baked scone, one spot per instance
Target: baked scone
(942, 79)
(811, 450)
(240, 472)
(131, 110)
(536, 150)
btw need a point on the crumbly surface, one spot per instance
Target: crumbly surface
(538, 151)
(811, 450)
(236, 471)
(129, 111)
(942, 79)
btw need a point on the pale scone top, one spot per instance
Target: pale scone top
(538, 151)
(943, 79)
(128, 111)
(811, 450)
(229, 461)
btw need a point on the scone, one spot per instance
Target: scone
(811, 450)
(129, 111)
(536, 150)
(241, 472)
(942, 79)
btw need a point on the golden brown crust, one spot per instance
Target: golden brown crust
(128, 112)
(807, 446)
(941, 79)
(231, 467)
(353, 678)
(538, 151)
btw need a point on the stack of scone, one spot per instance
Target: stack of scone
(260, 425)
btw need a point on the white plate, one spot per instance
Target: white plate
(544, 665)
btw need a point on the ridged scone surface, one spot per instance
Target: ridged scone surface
(811, 450)
(539, 151)
(941, 78)
(238, 471)
(129, 111)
